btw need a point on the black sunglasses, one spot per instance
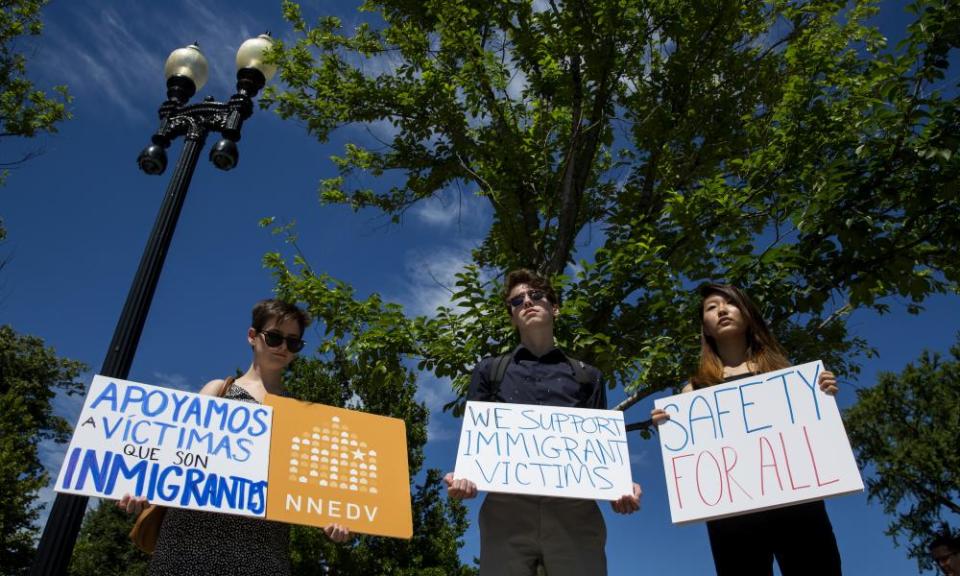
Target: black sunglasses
(534, 295)
(274, 339)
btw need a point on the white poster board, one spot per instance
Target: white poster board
(760, 442)
(544, 450)
(177, 449)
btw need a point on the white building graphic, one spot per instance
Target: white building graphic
(333, 457)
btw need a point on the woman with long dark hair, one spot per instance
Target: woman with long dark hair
(735, 343)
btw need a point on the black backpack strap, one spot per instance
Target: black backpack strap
(498, 367)
(589, 385)
(580, 372)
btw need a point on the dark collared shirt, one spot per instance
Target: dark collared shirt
(547, 381)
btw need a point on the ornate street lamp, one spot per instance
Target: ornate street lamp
(186, 72)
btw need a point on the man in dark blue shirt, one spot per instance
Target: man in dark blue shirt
(547, 380)
(520, 532)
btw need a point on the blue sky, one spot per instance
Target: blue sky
(79, 214)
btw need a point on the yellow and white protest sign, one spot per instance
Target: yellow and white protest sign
(285, 460)
(330, 465)
(544, 450)
(752, 444)
(175, 448)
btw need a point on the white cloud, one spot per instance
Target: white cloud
(574, 269)
(101, 58)
(174, 380)
(437, 431)
(51, 454)
(435, 211)
(430, 283)
(381, 132)
(379, 63)
(431, 279)
(518, 82)
(435, 392)
(641, 457)
(354, 403)
(116, 53)
(453, 206)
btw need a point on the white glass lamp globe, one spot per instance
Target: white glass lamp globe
(188, 62)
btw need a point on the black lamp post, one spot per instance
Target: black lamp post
(186, 71)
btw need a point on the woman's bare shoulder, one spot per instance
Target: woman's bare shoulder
(212, 388)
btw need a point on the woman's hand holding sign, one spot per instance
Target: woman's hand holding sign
(460, 488)
(132, 504)
(628, 503)
(659, 416)
(337, 533)
(828, 382)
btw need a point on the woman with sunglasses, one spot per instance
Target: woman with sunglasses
(735, 343)
(193, 542)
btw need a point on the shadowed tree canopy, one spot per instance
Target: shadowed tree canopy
(782, 146)
(103, 546)
(31, 374)
(907, 429)
(25, 111)
(785, 147)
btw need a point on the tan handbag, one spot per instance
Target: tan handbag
(146, 530)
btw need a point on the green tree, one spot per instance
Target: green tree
(30, 376)
(782, 146)
(103, 546)
(25, 110)
(906, 429)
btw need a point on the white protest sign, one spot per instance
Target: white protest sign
(177, 449)
(755, 443)
(544, 450)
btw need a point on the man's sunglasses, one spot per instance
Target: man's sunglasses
(534, 295)
(275, 339)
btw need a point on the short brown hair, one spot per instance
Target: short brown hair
(945, 538)
(532, 279)
(271, 309)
